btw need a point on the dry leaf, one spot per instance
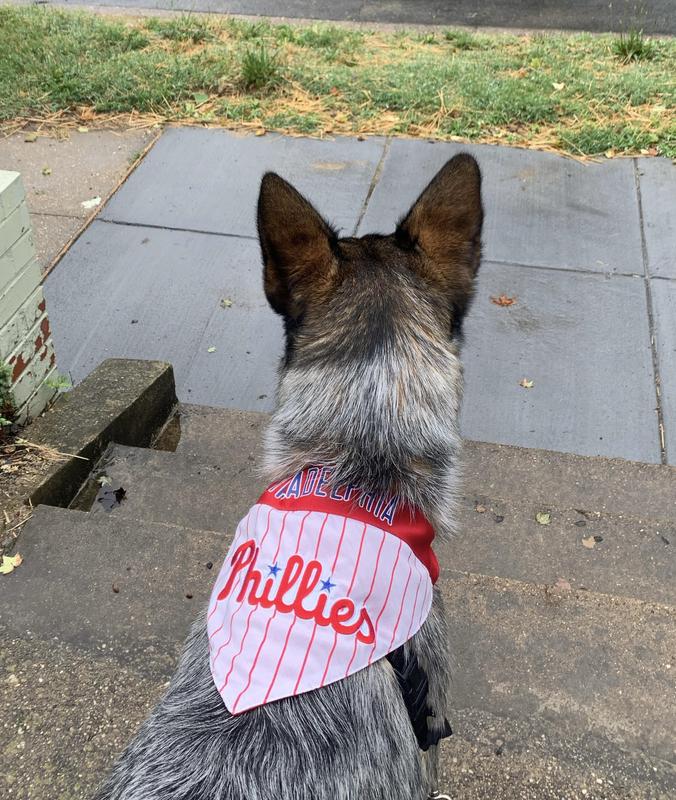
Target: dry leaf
(9, 564)
(589, 542)
(260, 132)
(30, 137)
(609, 153)
(83, 129)
(211, 349)
(503, 300)
(543, 517)
(479, 508)
(526, 383)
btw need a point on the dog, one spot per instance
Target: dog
(367, 410)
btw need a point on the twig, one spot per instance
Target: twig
(50, 450)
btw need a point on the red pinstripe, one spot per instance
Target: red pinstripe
(415, 605)
(234, 658)
(281, 658)
(314, 627)
(255, 661)
(373, 580)
(333, 568)
(387, 597)
(401, 605)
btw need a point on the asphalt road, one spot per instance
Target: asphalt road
(650, 16)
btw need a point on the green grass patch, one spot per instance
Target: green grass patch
(580, 94)
(633, 46)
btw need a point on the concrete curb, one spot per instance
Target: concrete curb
(122, 400)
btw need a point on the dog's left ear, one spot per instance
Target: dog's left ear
(299, 265)
(445, 225)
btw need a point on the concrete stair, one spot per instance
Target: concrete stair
(564, 655)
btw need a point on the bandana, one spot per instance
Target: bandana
(317, 584)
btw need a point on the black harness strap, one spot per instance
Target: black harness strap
(414, 690)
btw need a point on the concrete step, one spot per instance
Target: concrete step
(630, 556)
(580, 661)
(67, 713)
(542, 477)
(112, 585)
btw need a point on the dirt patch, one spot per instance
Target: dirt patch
(23, 464)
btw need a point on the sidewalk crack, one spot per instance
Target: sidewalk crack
(651, 319)
(374, 182)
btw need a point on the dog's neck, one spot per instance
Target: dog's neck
(387, 427)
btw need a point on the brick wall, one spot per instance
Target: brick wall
(25, 339)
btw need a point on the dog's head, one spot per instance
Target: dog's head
(332, 289)
(372, 323)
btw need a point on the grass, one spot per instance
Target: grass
(581, 94)
(633, 46)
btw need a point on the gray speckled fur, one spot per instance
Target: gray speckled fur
(378, 411)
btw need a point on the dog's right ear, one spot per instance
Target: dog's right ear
(299, 265)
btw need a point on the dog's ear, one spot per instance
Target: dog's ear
(299, 265)
(444, 224)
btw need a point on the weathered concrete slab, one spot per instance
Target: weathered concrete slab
(593, 391)
(584, 660)
(83, 166)
(657, 180)
(541, 209)
(122, 400)
(634, 556)
(538, 478)
(134, 292)
(174, 489)
(564, 656)
(51, 233)
(73, 564)
(63, 749)
(664, 315)
(208, 180)
(565, 481)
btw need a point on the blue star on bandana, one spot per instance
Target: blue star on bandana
(274, 569)
(327, 585)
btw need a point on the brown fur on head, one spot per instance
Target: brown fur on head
(439, 240)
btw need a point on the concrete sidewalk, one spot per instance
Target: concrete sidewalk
(171, 270)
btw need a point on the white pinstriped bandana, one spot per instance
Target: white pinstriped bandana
(316, 585)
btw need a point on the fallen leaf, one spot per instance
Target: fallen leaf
(543, 517)
(211, 349)
(479, 508)
(87, 204)
(104, 480)
(589, 542)
(226, 302)
(559, 86)
(30, 137)
(83, 129)
(9, 564)
(260, 132)
(503, 300)
(609, 153)
(526, 383)
(46, 170)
